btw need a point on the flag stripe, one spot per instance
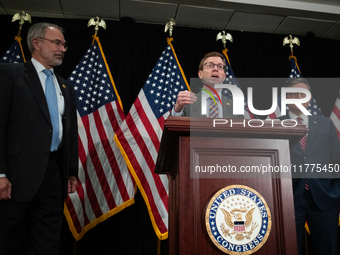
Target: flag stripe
(114, 177)
(145, 153)
(147, 127)
(92, 181)
(104, 147)
(146, 190)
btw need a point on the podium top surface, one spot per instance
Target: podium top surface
(252, 128)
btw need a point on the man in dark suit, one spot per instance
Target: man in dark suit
(316, 193)
(38, 146)
(211, 71)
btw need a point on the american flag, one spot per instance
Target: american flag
(231, 80)
(313, 108)
(106, 186)
(335, 115)
(141, 133)
(15, 53)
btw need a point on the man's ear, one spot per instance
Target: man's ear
(35, 43)
(200, 74)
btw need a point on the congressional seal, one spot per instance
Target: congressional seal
(238, 220)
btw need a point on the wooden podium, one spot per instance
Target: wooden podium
(189, 142)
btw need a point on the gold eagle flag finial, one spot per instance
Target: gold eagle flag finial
(22, 16)
(97, 23)
(291, 40)
(224, 37)
(170, 26)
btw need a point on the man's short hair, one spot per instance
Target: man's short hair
(292, 81)
(211, 54)
(39, 30)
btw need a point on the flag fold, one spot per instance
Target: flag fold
(141, 132)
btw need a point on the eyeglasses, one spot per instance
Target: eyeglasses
(211, 65)
(295, 95)
(56, 42)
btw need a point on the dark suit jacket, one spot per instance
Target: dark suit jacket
(26, 130)
(322, 148)
(194, 110)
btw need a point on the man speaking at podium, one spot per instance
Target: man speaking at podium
(211, 71)
(315, 199)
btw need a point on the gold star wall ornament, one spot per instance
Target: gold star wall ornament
(97, 23)
(22, 16)
(170, 26)
(224, 37)
(291, 40)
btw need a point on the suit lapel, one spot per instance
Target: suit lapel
(63, 90)
(195, 108)
(226, 105)
(313, 130)
(34, 83)
(298, 145)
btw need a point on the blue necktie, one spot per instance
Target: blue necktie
(52, 102)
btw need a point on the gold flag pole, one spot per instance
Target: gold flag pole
(224, 37)
(170, 26)
(291, 41)
(22, 16)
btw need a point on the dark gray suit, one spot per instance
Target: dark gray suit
(320, 205)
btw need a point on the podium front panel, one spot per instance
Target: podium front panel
(191, 191)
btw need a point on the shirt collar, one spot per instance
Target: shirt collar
(38, 66)
(294, 117)
(208, 96)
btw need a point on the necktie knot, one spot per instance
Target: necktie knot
(47, 72)
(299, 119)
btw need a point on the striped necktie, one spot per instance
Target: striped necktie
(52, 102)
(213, 109)
(303, 140)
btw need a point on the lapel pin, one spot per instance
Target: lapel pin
(228, 104)
(64, 86)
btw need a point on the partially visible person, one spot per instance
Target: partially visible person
(316, 200)
(211, 71)
(38, 146)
